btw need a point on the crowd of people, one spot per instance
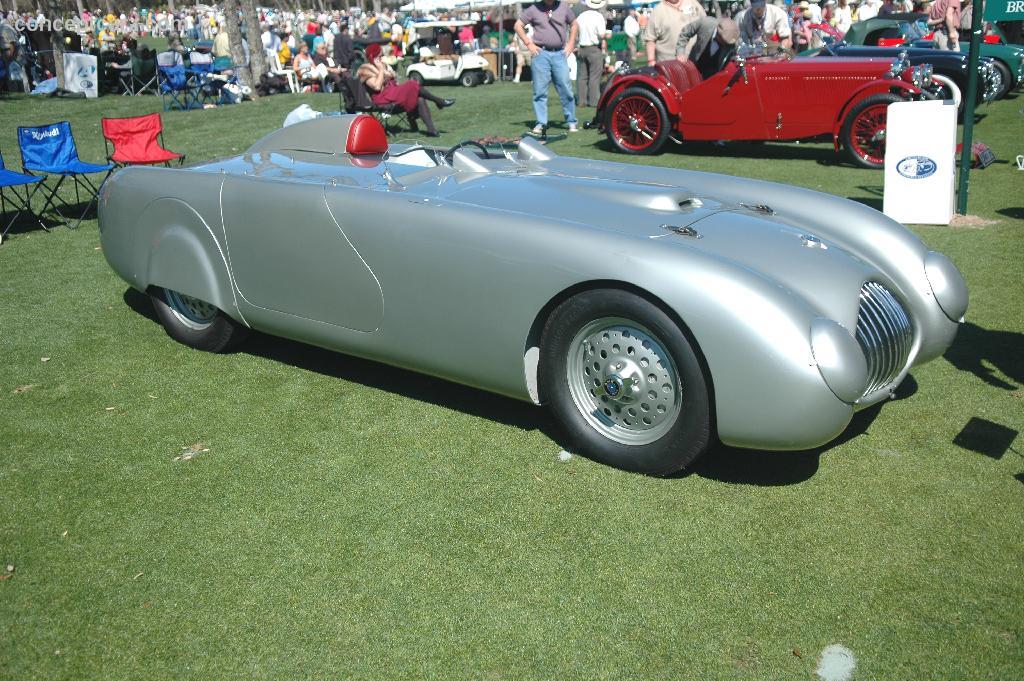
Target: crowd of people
(558, 41)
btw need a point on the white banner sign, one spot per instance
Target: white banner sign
(920, 162)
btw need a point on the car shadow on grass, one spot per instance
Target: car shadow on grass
(372, 374)
(984, 351)
(774, 468)
(722, 463)
(755, 151)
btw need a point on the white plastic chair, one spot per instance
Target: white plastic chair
(276, 69)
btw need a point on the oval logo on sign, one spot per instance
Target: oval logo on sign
(916, 167)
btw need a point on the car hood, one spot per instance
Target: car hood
(668, 215)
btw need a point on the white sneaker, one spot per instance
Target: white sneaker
(538, 129)
(573, 128)
(515, 80)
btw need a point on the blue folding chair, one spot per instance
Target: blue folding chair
(50, 149)
(178, 87)
(10, 181)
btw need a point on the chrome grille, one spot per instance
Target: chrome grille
(884, 334)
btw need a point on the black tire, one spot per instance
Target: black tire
(636, 122)
(488, 77)
(416, 76)
(859, 134)
(1007, 79)
(211, 330)
(469, 79)
(678, 382)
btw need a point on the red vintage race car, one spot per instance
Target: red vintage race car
(760, 98)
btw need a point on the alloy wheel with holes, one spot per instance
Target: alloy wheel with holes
(637, 122)
(863, 131)
(195, 322)
(625, 383)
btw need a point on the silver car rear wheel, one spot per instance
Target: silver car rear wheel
(194, 313)
(195, 322)
(623, 381)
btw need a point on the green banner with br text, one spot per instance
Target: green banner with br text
(1004, 10)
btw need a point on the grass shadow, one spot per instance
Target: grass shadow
(722, 463)
(1013, 213)
(975, 346)
(773, 468)
(756, 150)
(986, 437)
(372, 374)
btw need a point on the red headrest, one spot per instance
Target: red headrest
(366, 136)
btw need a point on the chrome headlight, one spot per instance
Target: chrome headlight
(948, 285)
(840, 360)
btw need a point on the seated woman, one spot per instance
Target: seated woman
(410, 96)
(305, 68)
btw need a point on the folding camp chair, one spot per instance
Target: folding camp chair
(355, 98)
(51, 149)
(138, 140)
(10, 181)
(201, 69)
(177, 86)
(144, 76)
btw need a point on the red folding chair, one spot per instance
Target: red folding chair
(138, 140)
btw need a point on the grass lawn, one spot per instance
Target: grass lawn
(340, 518)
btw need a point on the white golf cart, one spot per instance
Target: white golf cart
(468, 69)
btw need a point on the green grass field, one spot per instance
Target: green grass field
(288, 512)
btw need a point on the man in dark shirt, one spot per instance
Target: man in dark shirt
(553, 40)
(343, 48)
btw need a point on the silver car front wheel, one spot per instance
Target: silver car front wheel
(624, 381)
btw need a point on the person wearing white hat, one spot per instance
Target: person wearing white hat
(590, 61)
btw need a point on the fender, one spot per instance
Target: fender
(185, 257)
(669, 97)
(873, 88)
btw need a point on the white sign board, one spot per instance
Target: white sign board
(920, 162)
(80, 74)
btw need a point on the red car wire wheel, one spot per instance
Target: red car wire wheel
(868, 133)
(636, 122)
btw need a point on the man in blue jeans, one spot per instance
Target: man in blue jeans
(553, 40)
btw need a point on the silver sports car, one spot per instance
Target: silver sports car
(652, 309)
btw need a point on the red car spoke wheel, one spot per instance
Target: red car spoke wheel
(637, 122)
(863, 132)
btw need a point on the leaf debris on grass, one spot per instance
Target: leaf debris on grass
(8, 573)
(192, 451)
(24, 388)
(564, 455)
(44, 359)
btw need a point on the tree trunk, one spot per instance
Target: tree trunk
(57, 45)
(235, 41)
(257, 58)
(81, 7)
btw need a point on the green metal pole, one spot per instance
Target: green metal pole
(966, 157)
